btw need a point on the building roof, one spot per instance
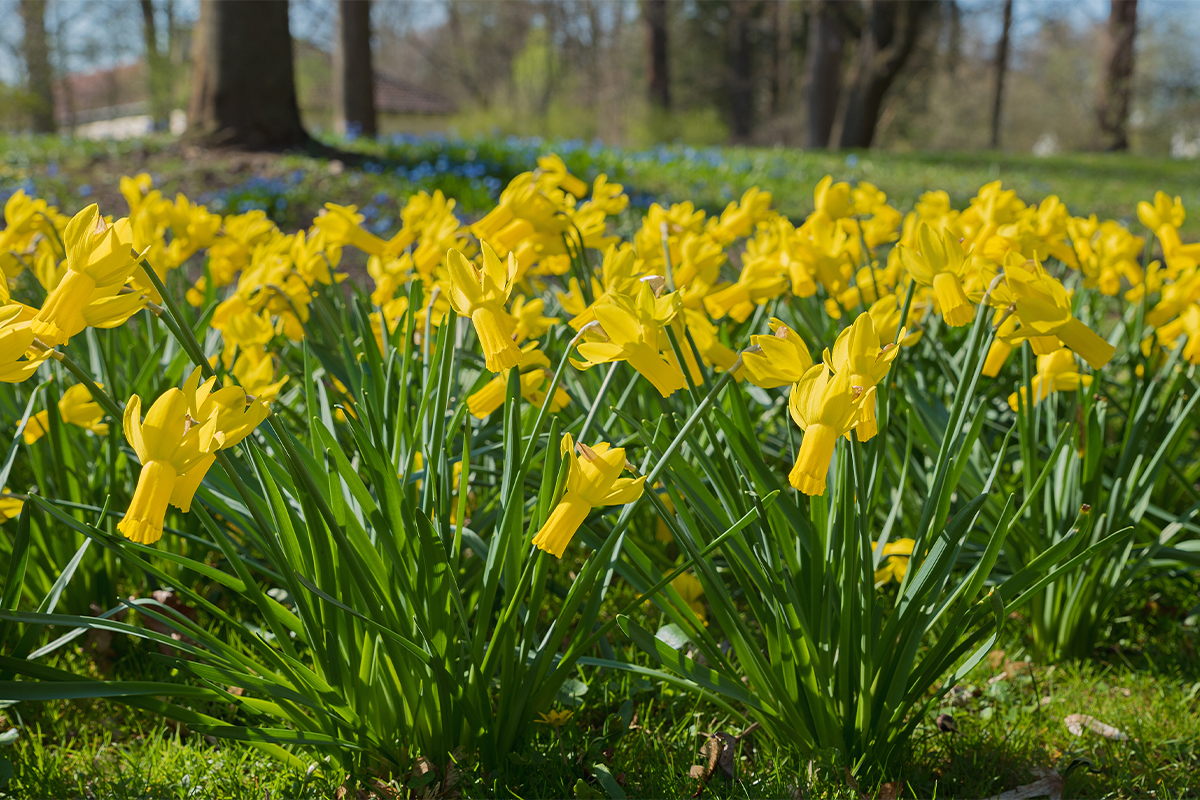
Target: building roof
(123, 91)
(399, 97)
(102, 94)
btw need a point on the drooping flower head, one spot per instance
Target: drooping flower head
(593, 479)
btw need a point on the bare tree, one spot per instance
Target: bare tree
(889, 33)
(741, 68)
(353, 73)
(1114, 90)
(37, 65)
(781, 78)
(658, 82)
(826, 45)
(158, 65)
(1001, 72)
(243, 86)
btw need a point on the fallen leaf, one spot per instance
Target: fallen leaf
(1077, 722)
(727, 760)
(1050, 786)
(889, 791)
(945, 724)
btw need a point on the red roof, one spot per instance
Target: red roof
(102, 94)
(398, 97)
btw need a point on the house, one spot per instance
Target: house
(108, 104)
(115, 104)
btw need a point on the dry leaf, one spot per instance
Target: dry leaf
(853, 784)
(1077, 722)
(945, 724)
(889, 791)
(727, 761)
(1050, 786)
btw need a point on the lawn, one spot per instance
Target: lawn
(1008, 714)
(292, 188)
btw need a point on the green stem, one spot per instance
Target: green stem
(182, 330)
(98, 394)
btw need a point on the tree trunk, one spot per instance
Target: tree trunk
(658, 82)
(826, 44)
(353, 74)
(158, 75)
(781, 83)
(741, 70)
(37, 64)
(243, 85)
(1114, 91)
(1001, 72)
(889, 34)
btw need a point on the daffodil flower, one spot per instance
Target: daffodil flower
(780, 360)
(482, 295)
(858, 351)
(100, 260)
(632, 330)
(16, 338)
(1056, 372)
(691, 590)
(75, 407)
(177, 443)
(760, 280)
(895, 557)
(825, 407)
(593, 479)
(170, 445)
(1044, 306)
(939, 261)
(535, 375)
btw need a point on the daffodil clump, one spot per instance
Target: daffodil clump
(444, 443)
(685, 294)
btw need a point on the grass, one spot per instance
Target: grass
(1144, 681)
(291, 188)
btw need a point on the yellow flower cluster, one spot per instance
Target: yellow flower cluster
(675, 297)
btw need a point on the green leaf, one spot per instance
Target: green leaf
(678, 662)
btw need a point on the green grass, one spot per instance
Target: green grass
(1144, 681)
(1006, 740)
(291, 188)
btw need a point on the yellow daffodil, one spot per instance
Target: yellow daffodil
(780, 360)
(593, 479)
(10, 506)
(691, 590)
(177, 444)
(1186, 324)
(938, 261)
(894, 561)
(760, 280)
(482, 295)
(555, 171)
(1056, 372)
(100, 259)
(858, 351)
(825, 407)
(1044, 306)
(535, 378)
(76, 407)
(170, 444)
(633, 331)
(16, 338)
(531, 323)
